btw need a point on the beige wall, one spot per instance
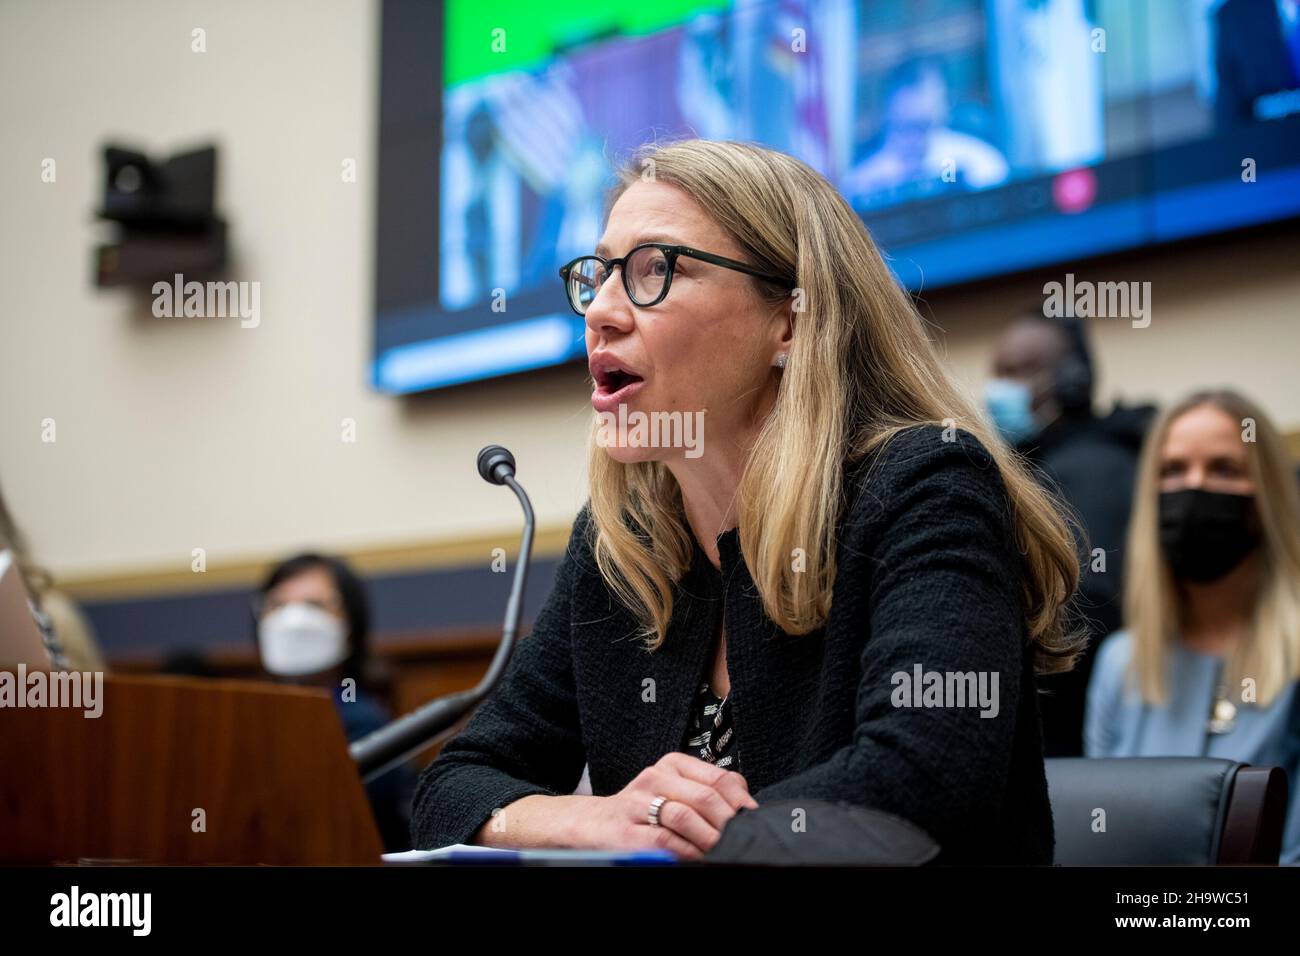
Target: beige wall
(174, 434)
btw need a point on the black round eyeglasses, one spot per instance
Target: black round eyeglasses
(647, 273)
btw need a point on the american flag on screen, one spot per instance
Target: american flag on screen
(799, 57)
(540, 121)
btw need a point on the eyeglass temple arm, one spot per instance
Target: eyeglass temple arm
(730, 263)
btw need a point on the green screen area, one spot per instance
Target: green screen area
(534, 29)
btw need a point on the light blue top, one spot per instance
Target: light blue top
(1119, 724)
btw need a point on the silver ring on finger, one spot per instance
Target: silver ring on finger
(655, 805)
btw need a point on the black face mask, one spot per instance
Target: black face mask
(1205, 534)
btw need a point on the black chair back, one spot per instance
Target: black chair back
(1122, 811)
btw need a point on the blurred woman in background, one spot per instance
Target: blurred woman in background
(68, 636)
(1208, 663)
(313, 625)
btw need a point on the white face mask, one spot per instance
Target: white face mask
(300, 639)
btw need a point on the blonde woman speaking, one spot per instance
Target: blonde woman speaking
(841, 593)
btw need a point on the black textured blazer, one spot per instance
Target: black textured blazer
(928, 577)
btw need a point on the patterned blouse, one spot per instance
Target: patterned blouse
(711, 733)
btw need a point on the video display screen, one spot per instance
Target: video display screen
(974, 137)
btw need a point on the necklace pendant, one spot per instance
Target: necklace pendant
(1224, 717)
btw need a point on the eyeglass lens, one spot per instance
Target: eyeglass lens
(646, 272)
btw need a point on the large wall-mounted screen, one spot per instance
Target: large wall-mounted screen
(974, 137)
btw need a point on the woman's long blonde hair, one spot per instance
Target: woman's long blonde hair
(1271, 654)
(861, 368)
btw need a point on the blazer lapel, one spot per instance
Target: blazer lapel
(758, 654)
(654, 690)
(681, 662)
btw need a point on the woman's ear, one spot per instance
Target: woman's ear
(783, 319)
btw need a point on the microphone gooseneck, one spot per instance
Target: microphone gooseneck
(394, 742)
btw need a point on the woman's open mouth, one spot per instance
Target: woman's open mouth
(614, 386)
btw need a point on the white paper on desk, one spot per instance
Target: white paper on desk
(552, 856)
(442, 852)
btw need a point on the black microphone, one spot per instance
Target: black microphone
(495, 464)
(406, 736)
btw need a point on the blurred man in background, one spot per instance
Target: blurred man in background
(1040, 399)
(917, 152)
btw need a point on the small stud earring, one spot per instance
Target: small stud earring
(781, 359)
